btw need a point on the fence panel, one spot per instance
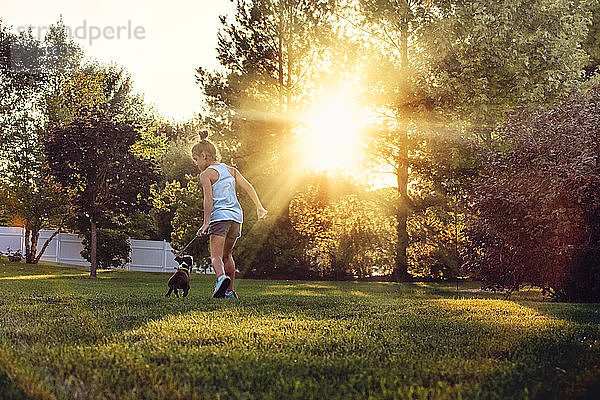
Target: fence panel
(11, 239)
(65, 248)
(52, 251)
(151, 256)
(69, 250)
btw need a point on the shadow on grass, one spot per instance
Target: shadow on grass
(556, 354)
(353, 337)
(9, 390)
(334, 347)
(573, 312)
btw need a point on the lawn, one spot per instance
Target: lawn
(67, 337)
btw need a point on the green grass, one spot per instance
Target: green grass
(65, 336)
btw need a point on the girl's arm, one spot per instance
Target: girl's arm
(247, 186)
(208, 203)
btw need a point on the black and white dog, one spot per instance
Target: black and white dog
(181, 278)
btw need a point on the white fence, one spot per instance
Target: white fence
(65, 248)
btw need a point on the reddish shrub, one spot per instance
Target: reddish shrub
(536, 204)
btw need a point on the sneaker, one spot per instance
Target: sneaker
(221, 286)
(230, 294)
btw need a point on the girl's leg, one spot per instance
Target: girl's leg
(228, 262)
(216, 254)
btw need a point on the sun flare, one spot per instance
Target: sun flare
(331, 136)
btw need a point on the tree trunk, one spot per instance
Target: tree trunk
(280, 57)
(94, 246)
(35, 235)
(289, 58)
(401, 262)
(27, 246)
(46, 243)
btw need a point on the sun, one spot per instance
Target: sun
(331, 134)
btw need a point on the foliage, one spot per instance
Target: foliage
(272, 248)
(45, 85)
(91, 158)
(36, 205)
(106, 88)
(268, 249)
(432, 72)
(165, 201)
(311, 217)
(186, 204)
(176, 164)
(152, 145)
(395, 88)
(488, 57)
(273, 42)
(536, 202)
(454, 68)
(29, 71)
(4, 216)
(14, 256)
(444, 68)
(9, 390)
(141, 225)
(288, 339)
(176, 131)
(113, 248)
(442, 165)
(268, 52)
(364, 237)
(591, 45)
(436, 242)
(346, 235)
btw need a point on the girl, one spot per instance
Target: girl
(222, 212)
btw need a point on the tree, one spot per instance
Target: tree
(441, 166)
(346, 234)
(535, 204)
(176, 163)
(28, 70)
(274, 249)
(3, 216)
(446, 66)
(364, 237)
(591, 45)
(186, 205)
(268, 52)
(487, 58)
(311, 217)
(44, 85)
(92, 160)
(395, 28)
(113, 248)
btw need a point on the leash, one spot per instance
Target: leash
(188, 245)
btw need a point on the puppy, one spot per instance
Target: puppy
(181, 278)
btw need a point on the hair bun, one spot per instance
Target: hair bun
(203, 134)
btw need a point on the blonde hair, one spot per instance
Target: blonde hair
(205, 146)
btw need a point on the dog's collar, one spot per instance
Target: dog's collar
(186, 269)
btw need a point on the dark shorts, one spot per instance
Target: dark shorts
(228, 229)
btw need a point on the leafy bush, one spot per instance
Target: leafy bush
(4, 218)
(537, 202)
(113, 248)
(273, 249)
(344, 234)
(14, 256)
